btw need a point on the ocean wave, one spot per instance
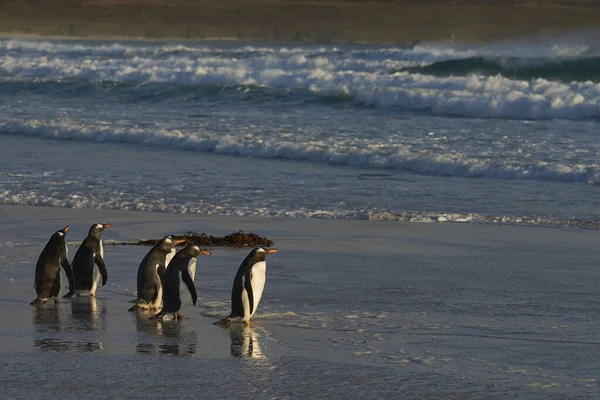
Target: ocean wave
(426, 79)
(378, 153)
(583, 69)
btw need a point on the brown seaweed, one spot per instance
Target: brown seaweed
(236, 239)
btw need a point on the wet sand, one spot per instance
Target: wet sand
(351, 309)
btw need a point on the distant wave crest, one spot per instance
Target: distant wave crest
(560, 82)
(585, 69)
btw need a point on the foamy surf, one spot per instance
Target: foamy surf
(410, 79)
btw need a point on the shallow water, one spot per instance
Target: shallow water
(351, 309)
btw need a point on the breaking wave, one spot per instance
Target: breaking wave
(585, 69)
(378, 153)
(446, 80)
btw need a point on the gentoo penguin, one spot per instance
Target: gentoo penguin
(151, 274)
(88, 263)
(48, 269)
(248, 286)
(181, 269)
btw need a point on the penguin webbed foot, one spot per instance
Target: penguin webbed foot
(160, 316)
(70, 294)
(36, 301)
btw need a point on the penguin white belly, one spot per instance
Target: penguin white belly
(95, 279)
(63, 282)
(170, 257)
(62, 276)
(184, 295)
(246, 305)
(258, 277)
(192, 267)
(156, 304)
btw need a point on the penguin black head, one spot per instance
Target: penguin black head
(97, 229)
(59, 236)
(168, 243)
(196, 250)
(193, 250)
(259, 254)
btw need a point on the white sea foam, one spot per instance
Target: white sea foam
(148, 204)
(375, 153)
(367, 76)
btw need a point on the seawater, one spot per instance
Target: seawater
(495, 133)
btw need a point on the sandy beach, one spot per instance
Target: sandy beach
(351, 309)
(301, 21)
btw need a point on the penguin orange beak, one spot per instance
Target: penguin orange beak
(206, 252)
(104, 226)
(65, 229)
(271, 251)
(180, 241)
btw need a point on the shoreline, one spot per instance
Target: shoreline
(399, 217)
(391, 301)
(282, 230)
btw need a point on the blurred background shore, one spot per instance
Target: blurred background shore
(386, 21)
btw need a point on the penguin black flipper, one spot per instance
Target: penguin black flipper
(241, 282)
(161, 270)
(237, 309)
(189, 282)
(70, 277)
(155, 294)
(102, 268)
(248, 287)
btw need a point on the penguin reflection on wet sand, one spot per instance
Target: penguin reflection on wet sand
(248, 286)
(88, 263)
(179, 281)
(244, 342)
(48, 280)
(151, 274)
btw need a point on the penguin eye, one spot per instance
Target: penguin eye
(260, 250)
(60, 234)
(168, 241)
(196, 248)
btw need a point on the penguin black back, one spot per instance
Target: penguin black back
(47, 282)
(180, 269)
(151, 274)
(88, 263)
